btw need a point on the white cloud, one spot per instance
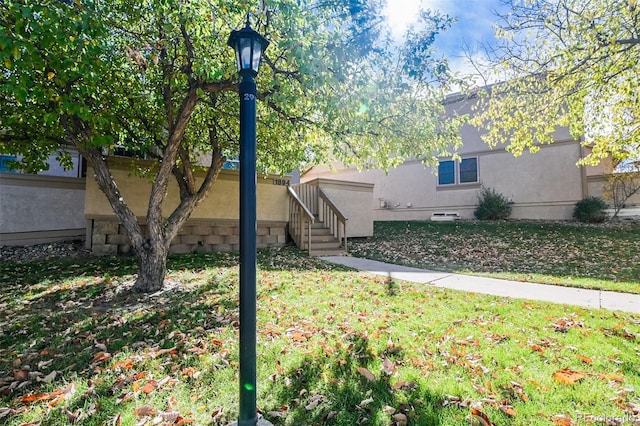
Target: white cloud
(472, 30)
(400, 14)
(473, 27)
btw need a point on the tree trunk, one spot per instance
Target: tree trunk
(152, 269)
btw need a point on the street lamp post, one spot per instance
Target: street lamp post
(248, 45)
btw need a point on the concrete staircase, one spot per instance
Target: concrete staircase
(323, 243)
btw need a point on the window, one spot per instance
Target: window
(469, 170)
(447, 172)
(5, 160)
(462, 171)
(231, 165)
(123, 151)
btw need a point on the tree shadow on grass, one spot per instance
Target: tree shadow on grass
(344, 389)
(103, 332)
(15, 275)
(79, 320)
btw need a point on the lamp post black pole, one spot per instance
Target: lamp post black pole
(248, 45)
(248, 232)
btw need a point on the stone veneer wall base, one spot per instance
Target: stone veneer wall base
(107, 237)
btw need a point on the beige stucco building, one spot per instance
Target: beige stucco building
(544, 185)
(214, 224)
(37, 209)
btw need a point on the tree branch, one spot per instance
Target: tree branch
(79, 134)
(295, 74)
(188, 70)
(167, 73)
(181, 214)
(170, 155)
(220, 86)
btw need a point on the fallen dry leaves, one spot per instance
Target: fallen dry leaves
(566, 376)
(160, 417)
(478, 418)
(563, 420)
(52, 398)
(353, 343)
(557, 249)
(367, 374)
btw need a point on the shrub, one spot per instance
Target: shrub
(591, 210)
(492, 205)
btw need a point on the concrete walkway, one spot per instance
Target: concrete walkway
(520, 290)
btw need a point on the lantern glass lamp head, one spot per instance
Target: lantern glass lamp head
(249, 46)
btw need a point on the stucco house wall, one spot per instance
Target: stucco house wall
(213, 226)
(544, 185)
(38, 209)
(222, 202)
(354, 199)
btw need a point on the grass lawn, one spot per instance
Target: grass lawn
(336, 347)
(601, 257)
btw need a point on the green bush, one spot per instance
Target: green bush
(492, 205)
(591, 210)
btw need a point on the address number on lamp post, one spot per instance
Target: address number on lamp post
(249, 97)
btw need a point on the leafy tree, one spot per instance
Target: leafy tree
(570, 63)
(156, 76)
(622, 184)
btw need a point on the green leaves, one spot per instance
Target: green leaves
(571, 65)
(330, 77)
(157, 77)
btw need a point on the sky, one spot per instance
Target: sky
(473, 26)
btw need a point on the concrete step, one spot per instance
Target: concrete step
(325, 245)
(322, 238)
(327, 252)
(321, 231)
